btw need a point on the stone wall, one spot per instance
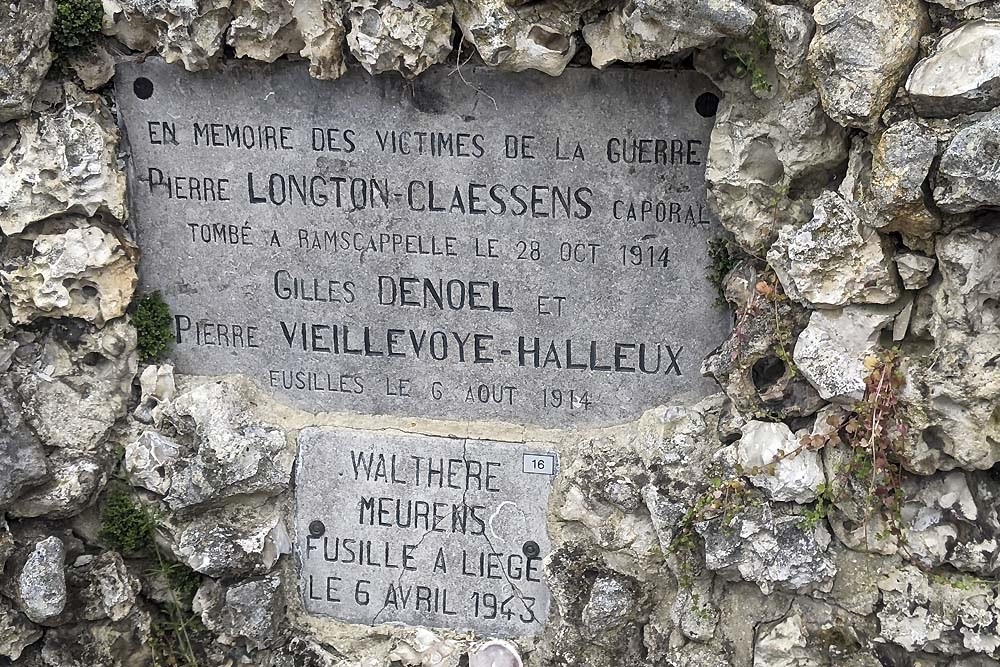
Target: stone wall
(835, 502)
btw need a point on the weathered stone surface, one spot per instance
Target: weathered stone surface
(752, 365)
(101, 644)
(663, 265)
(40, 583)
(961, 75)
(969, 172)
(770, 156)
(642, 30)
(86, 272)
(796, 476)
(321, 24)
(831, 350)
(425, 647)
(223, 449)
(74, 479)
(251, 610)
(16, 631)
(952, 394)
(834, 259)
(189, 32)
(769, 546)
(263, 29)
(901, 161)
(150, 460)
(156, 383)
(95, 66)
(860, 54)
(949, 614)
(24, 54)
(74, 382)
(22, 459)
(65, 161)
(785, 644)
(407, 36)
(101, 587)
(914, 269)
(233, 540)
(540, 36)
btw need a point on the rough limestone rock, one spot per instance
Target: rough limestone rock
(768, 157)
(102, 644)
(914, 269)
(16, 631)
(234, 540)
(831, 351)
(407, 36)
(961, 75)
(250, 610)
(40, 583)
(516, 37)
(861, 53)
(641, 30)
(952, 394)
(263, 29)
(227, 450)
(74, 480)
(949, 614)
(834, 259)
(320, 22)
(74, 382)
(87, 273)
(22, 458)
(796, 477)
(769, 546)
(785, 644)
(969, 172)
(65, 161)
(24, 54)
(751, 365)
(95, 66)
(425, 647)
(101, 587)
(156, 384)
(189, 32)
(149, 461)
(901, 161)
(612, 602)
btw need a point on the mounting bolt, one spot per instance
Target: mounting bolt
(316, 528)
(531, 549)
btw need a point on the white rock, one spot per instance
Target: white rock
(407, 36)
(87, 273)
(16, 632)
(961, 75)
(796, 476)
(105, 589)
(495, 653)
(149, 462)
(831, 350)
(233, 540)
(915, 269)
(641, 30)
(425, 649)
(969, 171)
(263, 29)
(74, 480)
(860, 54)
(322, 28)
(834, 259)
(40, 585)
(251, 610)
(157, 388)
(785, 645)
(901, 159)
(189, 32)
(65, 161)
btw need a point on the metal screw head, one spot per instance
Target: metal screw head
(317, 528)
(531, 549)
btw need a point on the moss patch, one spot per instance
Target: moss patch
(77, 25)
(126, 524)
(152, 321)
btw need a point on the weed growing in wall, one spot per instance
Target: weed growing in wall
(126, 524)
(723, 255)
(76, 26)
(152, 321)
(747, 57)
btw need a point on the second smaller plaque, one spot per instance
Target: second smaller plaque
(422, 530)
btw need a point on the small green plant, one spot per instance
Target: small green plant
(747, 58)
(153, 324)
(126, 524)
(76, 26)
(723, 255)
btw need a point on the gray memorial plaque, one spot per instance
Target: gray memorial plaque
(408, 248)
(423, 530)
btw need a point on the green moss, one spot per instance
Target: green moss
(723, 255)
(77, 25)
(747, 56)
(152, 321)
(126, 524)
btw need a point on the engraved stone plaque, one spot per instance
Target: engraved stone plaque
(507, 247)
(422, 530)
